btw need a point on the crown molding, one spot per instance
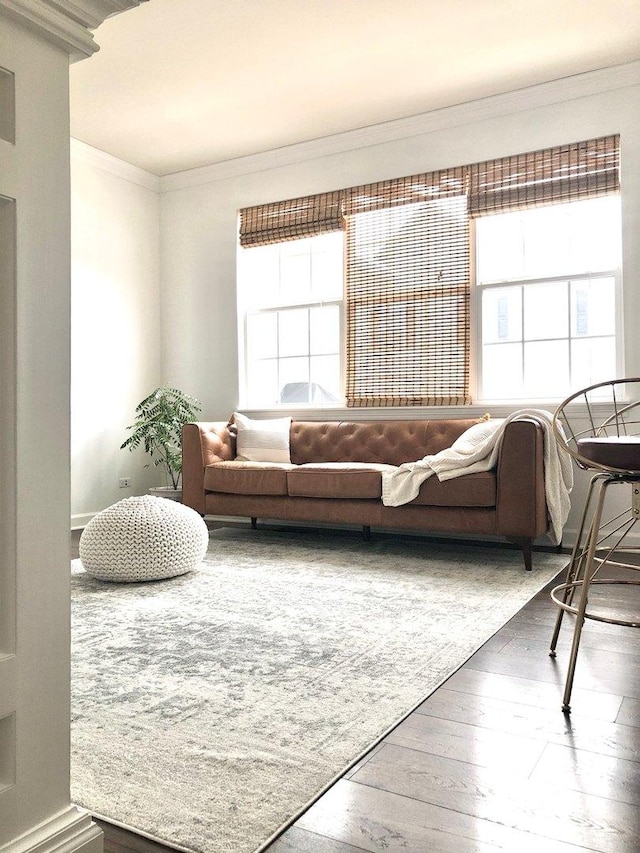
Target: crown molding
(66, 23)
(114, 166)
(543, 94)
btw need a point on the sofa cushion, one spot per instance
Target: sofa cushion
(247, 478)
(337, 480)
(262, 440)
(470, 490)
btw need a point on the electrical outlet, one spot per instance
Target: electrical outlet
(124, 482)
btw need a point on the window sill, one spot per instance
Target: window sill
(382, 413)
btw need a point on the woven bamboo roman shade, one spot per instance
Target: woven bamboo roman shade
(408, 292)
(292, 219)
(561, 174)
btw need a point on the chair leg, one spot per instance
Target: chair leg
(254, 523)
(575, 565)
(366, 532)
(590, 568)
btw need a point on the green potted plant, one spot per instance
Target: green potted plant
(158, 428)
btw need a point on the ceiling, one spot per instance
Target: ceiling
(179, 84)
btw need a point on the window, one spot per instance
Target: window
(548, 282)
(364, 295)
(291, 295)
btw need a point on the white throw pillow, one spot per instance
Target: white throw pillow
(262, 440)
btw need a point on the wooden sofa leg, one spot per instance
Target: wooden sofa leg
(525, 543)
(254, 523)
(366, 533)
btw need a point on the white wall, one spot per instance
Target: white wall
(199, 207)
(116, 330)
(152, 306)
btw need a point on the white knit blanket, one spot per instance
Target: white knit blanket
(476, 450)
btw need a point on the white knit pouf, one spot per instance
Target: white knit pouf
(142, 539)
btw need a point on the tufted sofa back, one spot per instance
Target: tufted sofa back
(391, 442)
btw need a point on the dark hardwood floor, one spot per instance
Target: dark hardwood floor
(489, 762)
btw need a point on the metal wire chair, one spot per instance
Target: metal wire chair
(601, 426)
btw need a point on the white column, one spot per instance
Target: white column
(36, 41)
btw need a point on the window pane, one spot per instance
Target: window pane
(562, 239)
(327, 262)
(262, 336)
(546, 369)
(596, 235)
(293, 332)
(281, 289)
(295, 274)
(501, 240)
(502, 371)
(593, 307)
(501, 314)
(325, 379)
(546, 312)
(547, 244)
(293, 370)
(592, 360)
(263, 383)
(325, 329)
(261, 267)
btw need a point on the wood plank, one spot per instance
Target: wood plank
(382, 822)
(597, 670)
(118, 840)
(487, 794)
(526, 691)
(629, 712)
(512, 754)
(544, 618)
(297, 840)
(535, 642)
(576, 730)
(589, 773)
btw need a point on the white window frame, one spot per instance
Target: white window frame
(274, 309)
(244, 312)
(583, 273)
(480, 287)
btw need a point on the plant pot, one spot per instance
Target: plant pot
(166, 492)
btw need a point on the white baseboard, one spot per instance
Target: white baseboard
(569, 537)
(71, 831)
(80, 521)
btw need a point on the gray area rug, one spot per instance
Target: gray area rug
(207, 710)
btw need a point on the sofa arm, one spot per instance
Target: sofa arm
(521, 507)
(202, 444)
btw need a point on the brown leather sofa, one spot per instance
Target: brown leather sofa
(508, 501)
